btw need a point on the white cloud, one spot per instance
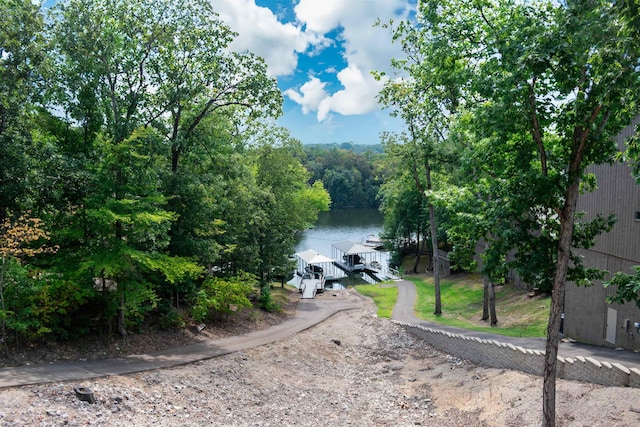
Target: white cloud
(357, 97)
(367, 48)
(260, 32)
(310, 96)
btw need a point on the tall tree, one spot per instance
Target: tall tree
(550, 84)
(128, 230)
(286, 203)
(164, 64)
(425, 100)
(405, 209)
(21, 56)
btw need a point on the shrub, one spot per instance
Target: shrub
(222, 296)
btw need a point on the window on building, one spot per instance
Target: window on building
(636, 217)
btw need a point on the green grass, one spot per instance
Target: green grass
(384, 296)
(280, 295)
(518, 314)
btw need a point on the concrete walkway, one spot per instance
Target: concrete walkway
(309, 313)
(404, 312)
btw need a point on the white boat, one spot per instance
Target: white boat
(374, 241)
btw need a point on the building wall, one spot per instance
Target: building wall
(586, 309)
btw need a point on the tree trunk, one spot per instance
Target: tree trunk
(436, 260)
(557, 298)
(418, 253)
(485, 302)
(4, 321)
(434, 243)
(487, 284)
(492, 304)
(175, 157)
(121, 328)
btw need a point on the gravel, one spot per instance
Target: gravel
(354, 369)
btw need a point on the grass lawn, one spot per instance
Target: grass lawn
(518, 314)
(384, 296)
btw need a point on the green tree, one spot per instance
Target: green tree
(127, 231)
(21, 57)
(423, 100)
(550, 85)
(19, 238)
(285, 203)
(627, 287)
(348, 175)
(223, 296)
(164, 64)
(404, 206)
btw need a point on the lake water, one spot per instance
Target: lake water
(337, 225)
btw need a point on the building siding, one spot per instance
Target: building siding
(618, 250)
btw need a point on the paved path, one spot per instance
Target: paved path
(404, 312)
(309, 313)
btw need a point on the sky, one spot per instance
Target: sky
(322, 53)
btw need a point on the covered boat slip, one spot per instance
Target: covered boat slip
(311, 272)
(353, 257)
(316, 264)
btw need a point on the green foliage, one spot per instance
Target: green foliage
(171, 318)
(282, 204)
(627, 287)
(350, 175)
(21, 57)
(223, 296)
(129, 227)
(164, 63)
(151, 167)
(543, 88)
(633, 154)
(518, 145)
(39, 304)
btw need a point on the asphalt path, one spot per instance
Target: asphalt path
(309, 313)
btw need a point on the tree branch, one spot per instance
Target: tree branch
(536, 131)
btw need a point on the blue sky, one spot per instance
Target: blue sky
(322, 53)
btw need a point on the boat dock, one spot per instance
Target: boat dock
(309, 287)
(360, 258)
(350, 261)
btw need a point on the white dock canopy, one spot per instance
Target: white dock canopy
(312, 257)
(351, 248)
(353, 256)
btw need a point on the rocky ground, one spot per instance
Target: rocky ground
(354, 369)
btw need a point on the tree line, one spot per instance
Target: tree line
(140, 174)
(351, 173)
